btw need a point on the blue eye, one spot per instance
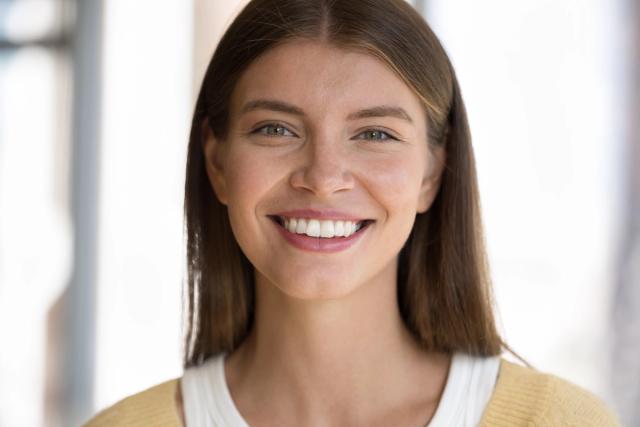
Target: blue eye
(375, 135)
(273, 129)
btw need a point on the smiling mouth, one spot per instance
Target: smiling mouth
(323, 229)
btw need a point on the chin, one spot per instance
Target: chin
(318, 292)
(315, 289)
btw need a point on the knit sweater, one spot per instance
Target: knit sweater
(522, 397)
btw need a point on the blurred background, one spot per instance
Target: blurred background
(95, 104)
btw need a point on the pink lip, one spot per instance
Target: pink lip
(319, 214)
(319, 244)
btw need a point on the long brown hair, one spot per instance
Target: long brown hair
(444, 290)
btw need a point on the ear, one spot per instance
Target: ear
(213, 156)
(433, 176)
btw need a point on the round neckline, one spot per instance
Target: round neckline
(233, 412)
(451, 395)
(441, 417)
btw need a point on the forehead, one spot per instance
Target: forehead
(320, 78)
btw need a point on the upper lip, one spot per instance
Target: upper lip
(320, 214)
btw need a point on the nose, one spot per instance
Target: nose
(325, 169)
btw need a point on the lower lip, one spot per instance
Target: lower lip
(320, 244)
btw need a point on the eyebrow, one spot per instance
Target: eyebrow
(268, 104)
(381, 111)
(284, 107)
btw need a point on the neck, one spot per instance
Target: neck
(320, 355)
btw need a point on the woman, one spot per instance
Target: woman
(336, 268)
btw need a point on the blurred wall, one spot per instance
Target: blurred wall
(626, 309)
(35, 222)
(210, 20)
(543, 88)
(146, 111)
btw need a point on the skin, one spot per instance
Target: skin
(329, 346)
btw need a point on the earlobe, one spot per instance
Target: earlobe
(431, 182)
(212, 147)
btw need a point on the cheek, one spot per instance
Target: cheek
(395, 182)
(250, 178)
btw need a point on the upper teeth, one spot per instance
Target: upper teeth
(321, 228)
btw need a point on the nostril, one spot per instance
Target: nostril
(322, 181)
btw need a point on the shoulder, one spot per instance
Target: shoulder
(155, 406)
(524, 396)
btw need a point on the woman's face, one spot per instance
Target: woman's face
(321, 141)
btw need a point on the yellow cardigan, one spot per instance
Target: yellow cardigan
(522, 397)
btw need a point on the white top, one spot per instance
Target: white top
(207, 401)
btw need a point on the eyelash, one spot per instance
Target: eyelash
(388, 136)
(262, 130)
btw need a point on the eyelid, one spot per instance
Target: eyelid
(256, 129)
(391, 135)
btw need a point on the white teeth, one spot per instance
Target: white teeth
(321, 228)
(301, 226)
(327, 229)
(313, 228)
